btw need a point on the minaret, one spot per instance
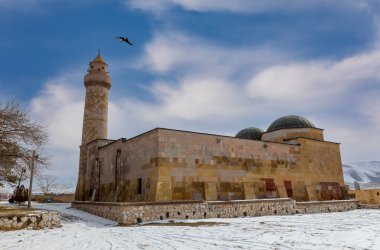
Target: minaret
(97, 82)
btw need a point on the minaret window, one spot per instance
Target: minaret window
(139, 186)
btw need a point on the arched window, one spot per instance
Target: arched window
(117, 168)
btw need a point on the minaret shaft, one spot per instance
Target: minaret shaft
(95, 117)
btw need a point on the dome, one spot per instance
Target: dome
(99, 59)
(98, 65)
(290, 121)
(250, 133)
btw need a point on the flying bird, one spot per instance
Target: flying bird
(124, 39)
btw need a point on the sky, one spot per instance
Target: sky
(213, 66)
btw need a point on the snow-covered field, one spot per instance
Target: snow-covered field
(358, 229)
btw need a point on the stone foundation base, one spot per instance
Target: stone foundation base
(369, 206)
(30, 220)
(126, 213)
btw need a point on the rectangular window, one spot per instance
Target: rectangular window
(270, 186)
(289, 189)
(139, 187)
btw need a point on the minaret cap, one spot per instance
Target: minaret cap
(98, 65)
(97, 73)
(98, 59)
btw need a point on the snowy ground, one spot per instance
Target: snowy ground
(358, 229)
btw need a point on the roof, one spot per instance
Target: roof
(123, 140)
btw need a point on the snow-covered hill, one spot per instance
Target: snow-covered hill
(366, 173)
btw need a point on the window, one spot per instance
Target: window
(270, 186)
(139, 186)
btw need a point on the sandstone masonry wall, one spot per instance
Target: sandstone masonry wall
(32, 220)
(127, 213)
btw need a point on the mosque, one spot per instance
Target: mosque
(289, 159)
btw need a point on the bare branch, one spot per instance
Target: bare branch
(46, 182)
(19, 135)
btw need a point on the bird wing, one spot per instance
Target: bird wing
(129, 42)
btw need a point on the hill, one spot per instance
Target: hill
(366, 173)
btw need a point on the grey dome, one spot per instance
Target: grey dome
(290, 121)
(250, 133)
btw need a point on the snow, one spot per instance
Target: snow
(356, 229)
(362, 172)
(6, 189)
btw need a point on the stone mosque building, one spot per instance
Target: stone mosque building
(289, 159)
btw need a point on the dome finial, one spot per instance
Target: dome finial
(98, 58)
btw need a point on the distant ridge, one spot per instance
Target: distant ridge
(366, 173)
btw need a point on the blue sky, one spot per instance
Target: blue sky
(209, 66)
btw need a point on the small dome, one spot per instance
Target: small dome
(290, 121)
(98, 65)
(99, 59)
(250, 133)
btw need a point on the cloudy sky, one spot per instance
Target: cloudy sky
(214, 66)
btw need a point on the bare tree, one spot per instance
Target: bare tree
(46, 183)
(19, 135)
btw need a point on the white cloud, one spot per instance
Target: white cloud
(359, 140)
(314, 82)
(370, 107)
(60, 106)
(244, 6)
(205, 80)
(178, 51)
(199, 98)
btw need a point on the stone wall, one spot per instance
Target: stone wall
(367, 196)
(128, 170)
(132, 213)
(31, 220)
(326, 206)
(66, 198)
(370, 206)
(196, 166)
(282, 135)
